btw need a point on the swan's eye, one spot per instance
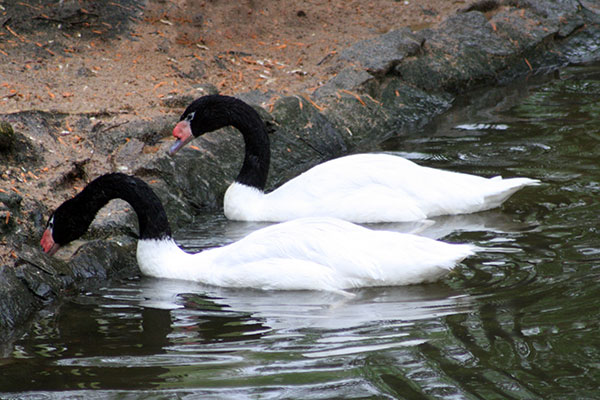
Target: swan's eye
(190, 116)
(51, 222)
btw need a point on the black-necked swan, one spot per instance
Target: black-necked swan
(359, 188)
(311, 253)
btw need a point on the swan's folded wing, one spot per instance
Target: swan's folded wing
(279, 274)
(352, 255)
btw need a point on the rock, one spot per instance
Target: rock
(178, 101)
(591, 6)
(521, 30)
(301, 137)
(198, 20)
(26, 149)
(44, 287)
(115, 219)
(468, 50)
(379, 55)
(34, 267)
(258, 98)
(464, 51)
(17, 303)
(180, 212)
(127, 155)
(579, 48)
(7, 136)
(199, 177)
(71, 172)
(10, 210)
(148, 132)
(104, 259)
(482, 6)
(347, 79)
(38, 279)
(570, 26)
(11, 200)
(85, 72)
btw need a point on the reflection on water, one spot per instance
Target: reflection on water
(157, 334)
(519, 320)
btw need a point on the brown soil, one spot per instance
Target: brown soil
(74, 56)
(173, 46)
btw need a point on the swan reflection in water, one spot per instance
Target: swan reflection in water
(318, 323)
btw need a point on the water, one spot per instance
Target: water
(518, 321)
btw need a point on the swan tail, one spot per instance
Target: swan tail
(506, 188)
(443, 260)
(463, 251)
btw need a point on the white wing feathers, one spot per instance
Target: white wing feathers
(372, 188)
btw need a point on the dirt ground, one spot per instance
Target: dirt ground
(125, 57)
(73, 60)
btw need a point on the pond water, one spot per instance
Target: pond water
(519, 321)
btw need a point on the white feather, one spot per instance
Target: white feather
(371, 188)
(309, 253)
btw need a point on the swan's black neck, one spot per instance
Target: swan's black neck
(74, 216)
(257, 155)
(217, 111)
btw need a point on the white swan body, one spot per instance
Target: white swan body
(371, 188)
(307, 254)
(310, 253)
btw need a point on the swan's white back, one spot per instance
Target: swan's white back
(371, 188)
(310, 253)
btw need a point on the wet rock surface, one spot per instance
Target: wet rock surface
(36, 280)
(384, 87)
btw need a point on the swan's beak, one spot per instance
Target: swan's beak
(183, 133)
(48, 244)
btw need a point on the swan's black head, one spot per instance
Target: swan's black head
(72, 218)
(66, 224)
(209, 113)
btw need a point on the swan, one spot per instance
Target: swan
(316, 253)
(362, 188)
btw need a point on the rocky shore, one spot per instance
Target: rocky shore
(381, 87)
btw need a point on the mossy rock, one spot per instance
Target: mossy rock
(7, 136)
